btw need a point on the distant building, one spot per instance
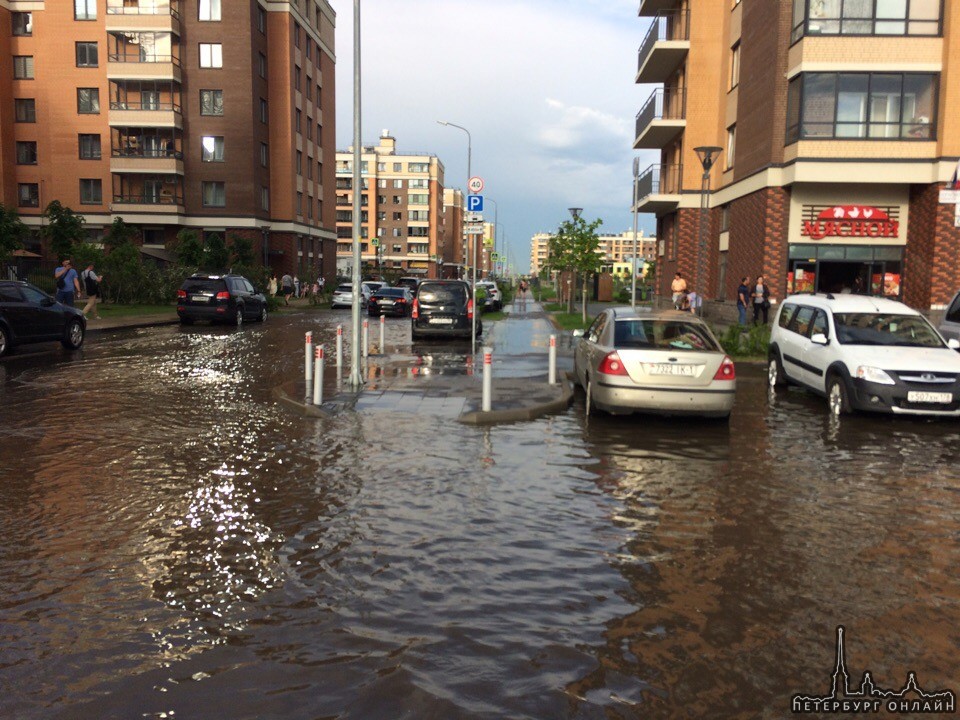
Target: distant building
(614, 248)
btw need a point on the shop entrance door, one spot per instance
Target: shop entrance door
(847, 277)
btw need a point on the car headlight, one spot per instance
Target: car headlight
(874, 375)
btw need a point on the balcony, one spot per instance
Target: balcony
(661, 118)
(143, 16)
(145, 114)
(659, 188)
(163, 202)
(145, 160)
(665, 46)
(143, 67)
(652, 7)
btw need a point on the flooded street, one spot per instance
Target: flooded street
(174, 543)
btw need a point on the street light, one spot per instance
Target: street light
(356, 376)
(575, 214)
(473, 324)
(633, 262)
(708, 155)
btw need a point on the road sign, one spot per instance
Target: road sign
(475, 184)
(473, 217)
(475, 203)
(375, 242)
(950, 197)
(474, 230)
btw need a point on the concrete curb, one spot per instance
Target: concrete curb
(519, 414)
(285, 395)
(133, 326)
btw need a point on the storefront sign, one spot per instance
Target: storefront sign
(853, 221)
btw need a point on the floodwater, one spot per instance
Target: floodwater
(173, 543)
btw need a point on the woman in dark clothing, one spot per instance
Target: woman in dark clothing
(761, 301)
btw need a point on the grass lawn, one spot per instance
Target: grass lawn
(571, 321)
(498, 315)
(119, 311)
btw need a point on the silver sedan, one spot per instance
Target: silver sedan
(658, 362)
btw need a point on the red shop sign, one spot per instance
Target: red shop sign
(856, 221)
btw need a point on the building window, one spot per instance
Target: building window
(212, 148)
(419, 167)
(265, 198)
(26, 152)
(87, 54)
(873, 106)
(309, 49)
(298, 120)
(211, 55)
(214, 194)
(309, 88)
(210, 10)
(865, 17)
(263, 66)
(264, 115)
(88, 101)
(296, 34)
(26, 110)
(398, 167)
(85, 9)
(398, 184)
(309, 169)
(299, 203)
(211, 102)
(299, 159)
(23, 67)
(734, 66)
(296, 78)
(731, 146)
(91, 191)
(398, 216)
(262, 20)
(22, 24)
(89, 147)
(264, 155)
(28, 195)
(309, 128)
(725, 218)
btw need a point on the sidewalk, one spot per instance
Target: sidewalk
(444, 380)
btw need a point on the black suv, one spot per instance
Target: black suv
(220, 298)
(443, 308)
(29, 315)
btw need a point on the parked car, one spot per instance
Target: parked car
(220, 298)
(374, 285)
(667, 363)
(391, 301)
(950, 325)
(864, 353)
(494, 298)
(343, 296)
(410, 282)
(29, 315)
(443, 308)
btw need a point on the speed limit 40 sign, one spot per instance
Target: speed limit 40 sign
(476, 184)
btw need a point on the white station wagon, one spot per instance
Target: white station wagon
(864, 353)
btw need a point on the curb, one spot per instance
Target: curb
(135, 326)
(283, 394)
(478, 417)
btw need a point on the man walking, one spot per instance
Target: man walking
(743, 296)
(67, 282)
(678, 287)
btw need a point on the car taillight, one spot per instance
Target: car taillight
(181, 294)
(612, 365)
(470, 309)
(223, 295)
(415, 313)
(401, 300)
(727, 370)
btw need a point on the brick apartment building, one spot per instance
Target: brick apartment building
(215, 115)
(616, 249)
(416, 222)
(838, 124)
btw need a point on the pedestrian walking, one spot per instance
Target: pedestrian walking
(286, 288)
(678, 287)
(296, 287)
(743, 298)
(761, 301)
(91, 286)
(67, 282)
(321, 283)
(272, 285)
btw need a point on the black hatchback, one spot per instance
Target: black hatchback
(443, 308)
(29, 315)
(227, 298)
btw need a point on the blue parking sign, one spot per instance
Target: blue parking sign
(474, 203)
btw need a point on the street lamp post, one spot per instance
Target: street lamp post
(356, 377)
(473, 325)
(708, 155)
(571, 286)
(633, 260)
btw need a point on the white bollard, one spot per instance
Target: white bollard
(339, 350)
(487, 379)
(383, 322)
(308, 364)
(318, 377)
(553, 360)
(366, 339)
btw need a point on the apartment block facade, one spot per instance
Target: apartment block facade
(215, 115)
(403, 219)
(616, 249)
(838, 128)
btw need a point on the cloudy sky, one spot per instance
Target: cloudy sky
(544, 86)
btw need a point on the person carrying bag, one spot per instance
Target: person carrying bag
(91, 285)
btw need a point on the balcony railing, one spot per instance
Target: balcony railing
(145, 106)
(670, 25)
(660, 180)
(663, 104)
(146, 153)
(144, 8)
(148, 199)
(140, 58)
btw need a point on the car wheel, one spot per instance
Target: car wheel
(775, 376)
(4, 342)
(837, 396)
(73, 338)
(263, 314)
(588, 389)
(238, 320)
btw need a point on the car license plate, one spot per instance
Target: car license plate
(442, 321)
(671, 369)
(929, 397)
(200, 298)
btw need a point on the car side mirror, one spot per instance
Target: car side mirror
(819, 339)
(953, 344)
(578, 333)
(48, 302)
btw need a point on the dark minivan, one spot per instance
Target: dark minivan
(220, 298)
(443, 308)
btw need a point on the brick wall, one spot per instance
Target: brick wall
(932, 257)
(758, 240)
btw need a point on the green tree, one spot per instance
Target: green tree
(560, 260)
(216, 257)
(188, 248)
(241, 251)
(118, 235)
(63, 228)
(12, 232)
(579, 243)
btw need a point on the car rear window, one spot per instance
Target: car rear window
(390, 292)
(200, 285)
(344, 288)
(434, 293)
(662, 335)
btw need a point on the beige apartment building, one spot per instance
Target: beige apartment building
(838, 127)
(403, 219)
(110, 109)
(614, 248)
